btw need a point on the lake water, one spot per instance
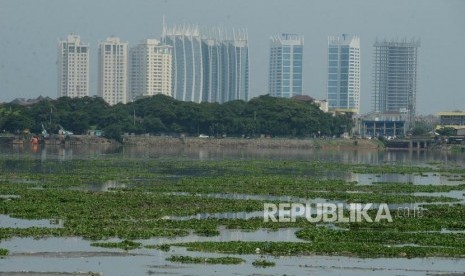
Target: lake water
(58, 152)
(28, 254)
(9, 222)
(76, 254)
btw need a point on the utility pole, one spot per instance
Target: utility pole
(134, 112)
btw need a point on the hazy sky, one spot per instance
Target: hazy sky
(29, 30)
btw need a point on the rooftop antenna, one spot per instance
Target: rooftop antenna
(164, 26)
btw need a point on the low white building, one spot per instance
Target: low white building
(323, 104)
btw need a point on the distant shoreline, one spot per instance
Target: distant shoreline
(171, 142)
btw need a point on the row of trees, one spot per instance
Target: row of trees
(162, 114)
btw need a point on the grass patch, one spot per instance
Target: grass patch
(352, 248)
(3, 252)
(207, 232)
(263, 263)
(202, 260)
(126, 244)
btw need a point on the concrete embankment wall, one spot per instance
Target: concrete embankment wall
(250, 143)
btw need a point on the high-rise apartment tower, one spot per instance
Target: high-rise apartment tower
(72, 67)
(150, 69)
(113, 70)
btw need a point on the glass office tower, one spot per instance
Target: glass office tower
(285, 71)
(187, 67)
(344, 73)
(236, 67)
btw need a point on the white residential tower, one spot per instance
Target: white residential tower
(150, 69)
(72, 68)
(113, 70)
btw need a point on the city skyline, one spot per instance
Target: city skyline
(28, 69)
(217, 78)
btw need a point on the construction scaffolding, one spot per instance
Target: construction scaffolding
(395, 77)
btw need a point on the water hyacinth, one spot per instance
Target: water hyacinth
(133, 198)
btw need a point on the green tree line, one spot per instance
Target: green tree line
(164, 115)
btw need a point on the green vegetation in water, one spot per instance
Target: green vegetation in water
(263, 263)
(388, 238)
(101, 215)
(162, 247)
(149, 203)
(203, 260)
(359, 249)
(207, 232)
(146, 173)
(3, 252)
(126, 244)
(306, 187)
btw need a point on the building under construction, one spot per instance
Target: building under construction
(395, 77)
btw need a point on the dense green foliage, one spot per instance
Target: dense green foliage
(447, 131)
(161, 114)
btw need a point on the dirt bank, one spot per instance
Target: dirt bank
(58, 140)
